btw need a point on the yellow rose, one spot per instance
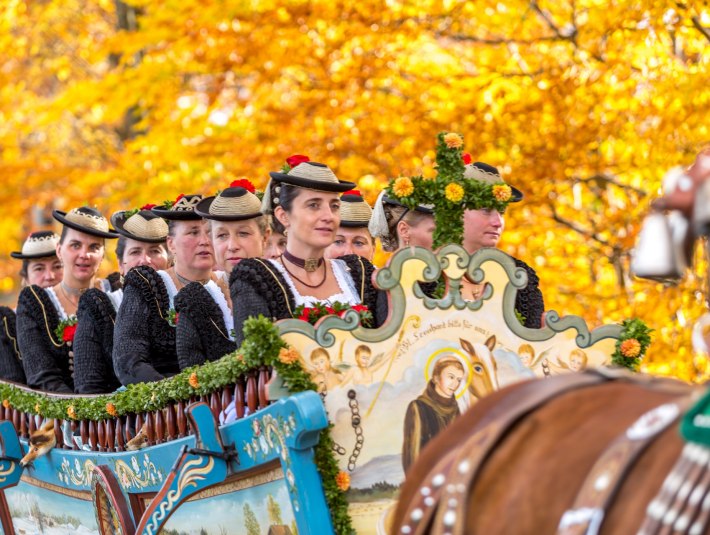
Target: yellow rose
(71, 412)
(454, 192)
(502, 192)
(453, 140)
(403, 187)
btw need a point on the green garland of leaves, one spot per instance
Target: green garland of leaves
(261, 347)
(629, 355)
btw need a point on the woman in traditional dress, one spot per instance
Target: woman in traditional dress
(483, 227)
(41, 267)
(238, 230)
(47, 354)
(353, 236)
(144, 335)
(141, 243)
(307, 205)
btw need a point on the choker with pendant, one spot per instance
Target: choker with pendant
(309, 264)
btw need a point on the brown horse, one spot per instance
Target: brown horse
(484, 379)
(515, 462)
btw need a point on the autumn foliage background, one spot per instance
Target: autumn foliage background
(582, 104)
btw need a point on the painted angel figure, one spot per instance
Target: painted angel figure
(365, 365)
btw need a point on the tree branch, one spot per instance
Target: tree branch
(702, 29)
(608, 179)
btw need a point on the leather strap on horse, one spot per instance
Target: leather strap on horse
(449, 481)
(600, 486)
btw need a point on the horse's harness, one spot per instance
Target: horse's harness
(683, 503)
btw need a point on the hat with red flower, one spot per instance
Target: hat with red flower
(236, 203)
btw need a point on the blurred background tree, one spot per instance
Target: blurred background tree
(582, 104)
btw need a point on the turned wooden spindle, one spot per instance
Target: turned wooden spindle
(16, 419)
(215, 404)
(58, 433)
(150, 428)
(140, 422)
(111, 434)
(33, 423)
(159, 427)
(23, 425)
(84, 431)
(101, 432)
(239, 398)
(93, 436)
(181, 420)
(252, 393)
(170, 422)
(226, 396)
(121, 432)
(263, 382)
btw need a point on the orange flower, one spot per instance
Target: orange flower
(343, 481)
(502, 192)
(288, 356)
(239, 356)
(403, 187)
(453, 140)
(194, 383)
(630, 348)
(454, 192)
(111, 409)
(6, 403)
(71, 412)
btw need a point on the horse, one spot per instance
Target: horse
(554, 455)
(484, 378)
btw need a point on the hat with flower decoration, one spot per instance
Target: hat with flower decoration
(87, 220)
(451, 191)
(300, 171)
(141, 224)
(236, 203)
(40, 244)
(354, 211)
(181, 209)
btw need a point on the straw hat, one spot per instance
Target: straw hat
(41, 244)
(143, 225)
(233, 204)
(182, 209)
(87, 220)
(354, 211)
(488, 174)
(312, 175)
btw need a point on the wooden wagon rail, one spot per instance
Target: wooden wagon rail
(249, 394)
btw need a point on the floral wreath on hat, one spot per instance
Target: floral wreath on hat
(449, 192)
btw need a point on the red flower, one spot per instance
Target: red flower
(305, 314)
(69, 331)
(243, 183)
(360, 308)
(330, 310)
(353, 192)
(294, 160)
(148, 206)
(466, 158)
(177, 317)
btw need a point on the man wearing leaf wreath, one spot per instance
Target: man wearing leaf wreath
(470, 200)
(305, 200)
(46, 317)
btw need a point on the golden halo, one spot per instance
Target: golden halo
(456, 352)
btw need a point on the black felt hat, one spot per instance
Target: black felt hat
(182, 209)
(143, 225)
(87, 220)
(40, 244)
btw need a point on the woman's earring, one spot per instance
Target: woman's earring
(406, 242)
(285, 232)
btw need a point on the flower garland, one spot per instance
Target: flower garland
(632, 344)
(313, 313)
(66, 329)
(450, 192)
(262, 346)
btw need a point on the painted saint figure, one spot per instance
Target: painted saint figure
(433, 410)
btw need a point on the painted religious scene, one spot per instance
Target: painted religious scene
(389, 395)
